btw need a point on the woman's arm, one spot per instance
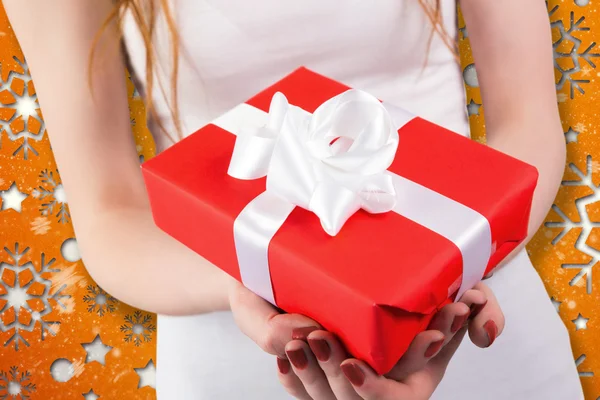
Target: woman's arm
(512, 47)
(94, 149)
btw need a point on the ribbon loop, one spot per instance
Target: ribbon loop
(254, 146)
(331, 162)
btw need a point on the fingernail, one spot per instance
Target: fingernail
(488, 276)
(302, 333)
(320, 348)
(283, 365)
(492, 331)
(434, 348)
(458, 322)
(476, 309)
(298, 358)
(353, 373)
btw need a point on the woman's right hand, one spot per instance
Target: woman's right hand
(264, 324)
(315, 374)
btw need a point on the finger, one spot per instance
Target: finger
(371, 386)
(441, 360)
(307, 369)
(424, 382)
(423, 347)
(262, 323)
(330, 353)
(450, 319)
(475, 299)
(290, 380)
(488, 324)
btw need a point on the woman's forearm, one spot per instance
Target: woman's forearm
(122, 248)
(516, 74)
(545, 150)
(548, 158)
(139, 264)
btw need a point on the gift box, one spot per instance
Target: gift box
(331, 204)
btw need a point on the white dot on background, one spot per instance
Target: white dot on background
(470, 76)
(572, 304)
(582, 3)
(137, 329)
(69, 250)
(100, 299)
(14, 388)
(59, 194)
(62, 370)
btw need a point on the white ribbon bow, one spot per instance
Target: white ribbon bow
(332, 162)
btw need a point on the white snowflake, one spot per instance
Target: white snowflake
(15, 384)
(578, 362)
(51, 191)
(584, 223)
(27, 297)
(576, 54)
(138, 328)
(24, 106)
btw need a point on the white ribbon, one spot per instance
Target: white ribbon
(334, 162)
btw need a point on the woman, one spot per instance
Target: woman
(211, 55)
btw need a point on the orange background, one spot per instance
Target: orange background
(74, 311)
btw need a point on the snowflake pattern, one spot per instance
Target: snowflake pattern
(585, 224)
(99, 301)
(29, 309)
(40, 225)
(26, 297)
(578, 362)
(20, 117)
(138, 328)
(568, 60)
(52, 194)
(15, 384)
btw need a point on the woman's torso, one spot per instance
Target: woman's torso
(231, 49)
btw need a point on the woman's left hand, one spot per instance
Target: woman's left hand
(317, 367)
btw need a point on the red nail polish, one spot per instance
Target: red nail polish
(434, 348)
(476, 309)
(353, 373)
(283, 365)
(458, 322)
(488, 276)
(492, 331)
(320, 348)
(298, 358)
(302, 333)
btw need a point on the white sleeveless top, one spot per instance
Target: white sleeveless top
(232, 49)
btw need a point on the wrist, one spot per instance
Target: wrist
(224, 284)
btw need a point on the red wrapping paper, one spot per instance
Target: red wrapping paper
(378, 283)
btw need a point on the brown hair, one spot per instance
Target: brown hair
(433, 10)
(145, 13)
